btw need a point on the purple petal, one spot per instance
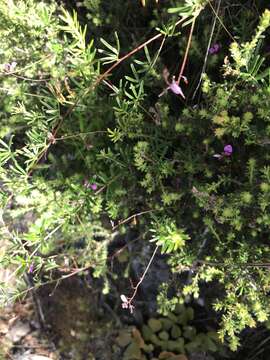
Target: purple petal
(228, 150)
(175, 88)
(7, 67)
(214, 49)
(93, 186)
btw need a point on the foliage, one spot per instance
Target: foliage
(81, 150)
(169, 237)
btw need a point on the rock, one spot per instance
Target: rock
(200, 356)
(32, 357)
(18, 331)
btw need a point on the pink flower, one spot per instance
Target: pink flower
(175, 88)
(89, 185)
(93, 186)
(31, 269)
(174, 85)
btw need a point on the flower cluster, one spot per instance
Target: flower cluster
(227, 151)
(126, 304)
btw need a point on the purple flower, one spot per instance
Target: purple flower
(93, 186)
(228, 150)
(31, 269)
(89, 185)
(214, 49)
(10, 67)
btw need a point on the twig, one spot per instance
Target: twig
(121, 222)
(127, 302)
(27, 78)
(186, 52)
(36, 300)
(75, 272)
(212, 263)
(80, 134)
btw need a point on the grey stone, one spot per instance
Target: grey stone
(27, 356)
(18, 331)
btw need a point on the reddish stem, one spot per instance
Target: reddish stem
(142, 277)
(186, 52)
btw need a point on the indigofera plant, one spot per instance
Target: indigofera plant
(89, 148)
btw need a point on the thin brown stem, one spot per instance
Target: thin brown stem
(142, 277)
(81, 134)
(247, 265)
(121, 222)
(187, 51)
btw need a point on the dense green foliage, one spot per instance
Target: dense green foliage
(82, 152)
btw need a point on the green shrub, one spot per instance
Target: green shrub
(75, 157)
